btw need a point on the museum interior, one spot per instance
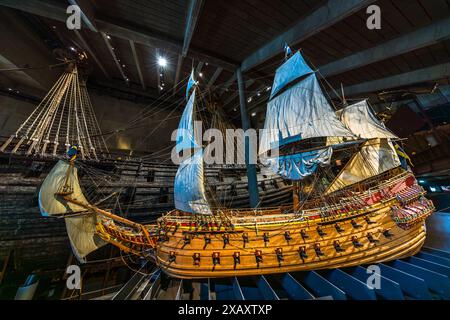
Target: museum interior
(224, 150)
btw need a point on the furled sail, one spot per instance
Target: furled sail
(80, 226)
(301, 165)
(185, 134)
(288, 72)
(300, 112)
(360, 120)
(375, 157)
(189, 189)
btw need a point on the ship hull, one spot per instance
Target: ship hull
(352, 251)
(381, 223)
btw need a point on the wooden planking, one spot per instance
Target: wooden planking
(166, 17)
(261, 20)
(404, 242)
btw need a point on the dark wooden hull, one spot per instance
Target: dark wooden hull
(383, 223)
(399, 244)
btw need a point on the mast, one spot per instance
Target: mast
(65, 116)
(189, 188)
(298, 110)
(377, 154)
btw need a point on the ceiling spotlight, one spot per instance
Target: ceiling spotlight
(258, 94)
(253, 114)
(108, 37)
(9, 89)
(268, 88)
(162, 62)
(201, 74)
(249, 100)
(123, 66)
(73, 49)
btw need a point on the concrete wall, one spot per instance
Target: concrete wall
(112, 114)
(12, 113)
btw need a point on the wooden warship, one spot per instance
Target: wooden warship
(373, 210)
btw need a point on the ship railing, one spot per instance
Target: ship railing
(413, 213)
(275, 214)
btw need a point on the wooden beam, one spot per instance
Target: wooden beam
(194, 9)
(325, 16)
(111, 51)
(215, 76)
(424, 37)
(189, 29)
(152, 39)
(22, 46)
(117, 29)
(227, 84)
(138, 63)
(199, 68)
(436, 72)
(92, 54)
(39, 8)
(177, 74)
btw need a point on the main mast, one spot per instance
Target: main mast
(189, 188)
(298, 111)
(299, 114)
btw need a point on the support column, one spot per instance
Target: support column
(251, 168)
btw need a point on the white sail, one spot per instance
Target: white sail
(189, 189)
(360, 120)
(185, 133)
(291, 70)
(82, 235)
(300, 112)
(80, 227)
(300, 165)
(51, 204)
(375, 157)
